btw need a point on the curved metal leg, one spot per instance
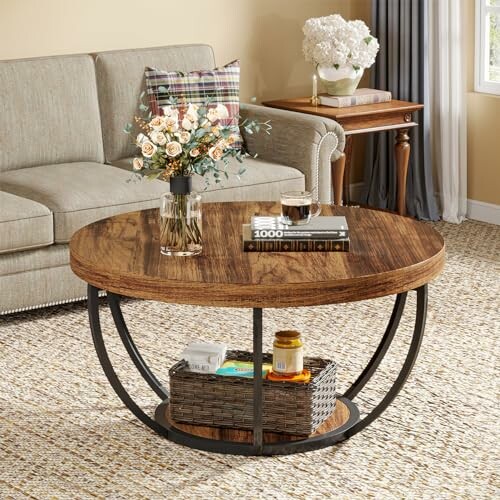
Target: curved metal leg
(384, 345)
(135, 356)
(416, 341)
(100, 347)
(350, 428)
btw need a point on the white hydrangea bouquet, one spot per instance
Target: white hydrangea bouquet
(339, 49)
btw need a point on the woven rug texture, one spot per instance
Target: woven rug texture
(64, 433)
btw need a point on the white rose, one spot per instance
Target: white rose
(194, 152)
(183, 137)
(148, 149)
(213, 115)
(222, 143)
(167, 110)
(186, 124)
(158, 137)
(170, 112)
(157, 123)
(140, 139)
(192, 112)
(138, 164)
(173, 148)
(222, 111)
(171, 124)
(215, 152)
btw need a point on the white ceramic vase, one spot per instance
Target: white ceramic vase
(341, 81)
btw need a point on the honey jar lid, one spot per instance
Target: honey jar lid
(287, 334)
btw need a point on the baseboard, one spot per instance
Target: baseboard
(484, 212)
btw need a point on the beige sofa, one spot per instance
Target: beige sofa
(64, 160)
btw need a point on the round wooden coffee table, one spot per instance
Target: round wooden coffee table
(390, 255)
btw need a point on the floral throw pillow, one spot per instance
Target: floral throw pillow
(219, 86)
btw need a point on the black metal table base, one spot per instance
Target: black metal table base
(353, 425)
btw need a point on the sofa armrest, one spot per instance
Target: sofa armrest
(306, 142)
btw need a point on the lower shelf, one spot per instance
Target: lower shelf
(339, 418)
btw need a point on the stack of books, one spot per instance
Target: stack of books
(321, 234)
(360, 97)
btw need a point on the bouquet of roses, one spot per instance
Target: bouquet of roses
(189, 139)
(183, 140)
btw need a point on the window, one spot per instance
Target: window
(487, 77)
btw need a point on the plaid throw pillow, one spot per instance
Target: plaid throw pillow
(221, 85)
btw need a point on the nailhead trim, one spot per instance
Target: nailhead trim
(101, 293)
(48, 304)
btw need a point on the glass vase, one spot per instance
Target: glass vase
(180, 219)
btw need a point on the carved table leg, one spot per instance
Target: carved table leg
(402, 150)
(338, 178)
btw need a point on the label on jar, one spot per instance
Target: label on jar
(288, 361)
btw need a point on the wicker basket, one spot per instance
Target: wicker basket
(222, 401)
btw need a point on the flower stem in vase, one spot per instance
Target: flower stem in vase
(180, 224)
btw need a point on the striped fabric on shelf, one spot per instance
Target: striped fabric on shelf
(220, 85)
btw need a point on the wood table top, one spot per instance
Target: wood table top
(303, 105)
(389, 254)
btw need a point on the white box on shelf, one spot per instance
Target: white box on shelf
(204, 357)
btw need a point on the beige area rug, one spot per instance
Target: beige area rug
(64, 433)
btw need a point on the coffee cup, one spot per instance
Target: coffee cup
(297, 208)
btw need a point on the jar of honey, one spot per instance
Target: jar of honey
(288, 353)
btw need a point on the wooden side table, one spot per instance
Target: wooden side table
(392, 115)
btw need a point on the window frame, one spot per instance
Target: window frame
(480, 82)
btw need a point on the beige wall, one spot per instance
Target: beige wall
(483, 132)
(265, 34)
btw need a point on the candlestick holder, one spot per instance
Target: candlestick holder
(314, 100)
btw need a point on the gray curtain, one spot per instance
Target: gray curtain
(402, 67)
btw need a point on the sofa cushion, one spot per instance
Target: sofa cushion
(120, 81)
(50, 112)
(220, 85)
(261, 181)
(81, 193)
(24, 224)
(31, 260)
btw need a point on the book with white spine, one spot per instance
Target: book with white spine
(360, 97)
(321, 228)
